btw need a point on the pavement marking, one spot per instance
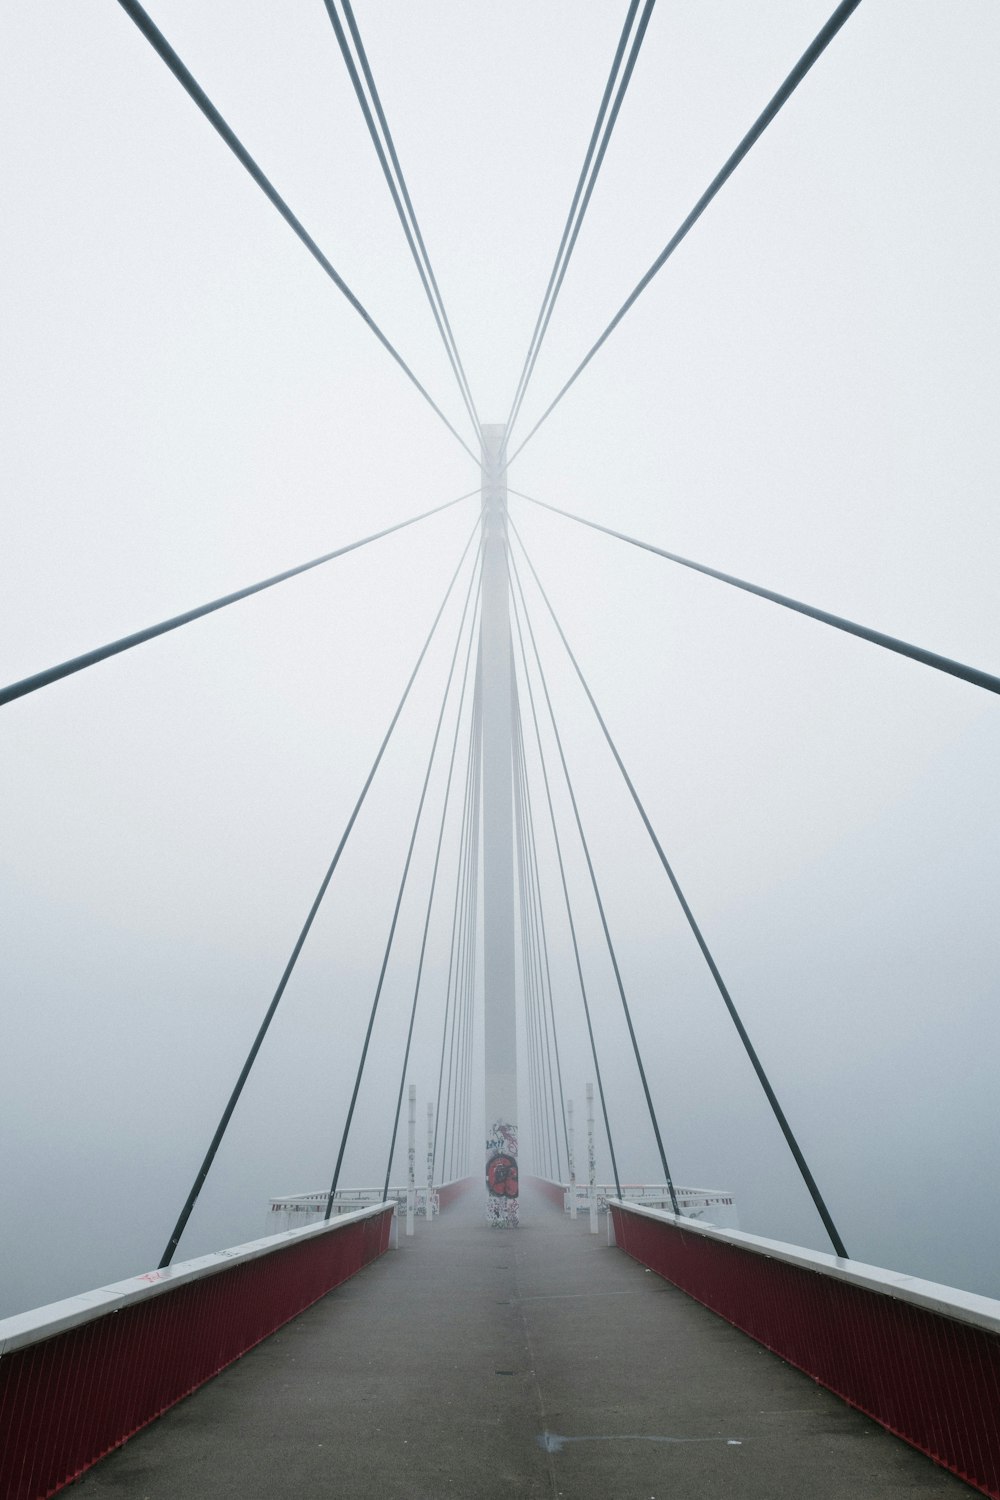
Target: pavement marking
(554, 1442)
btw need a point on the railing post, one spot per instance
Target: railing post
(411, 1182)
(591, 1160)
(572, 1158)
(430, 1161)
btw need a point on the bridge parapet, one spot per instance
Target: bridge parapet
(296, 1209)
(920, 1358)
(79, 1377)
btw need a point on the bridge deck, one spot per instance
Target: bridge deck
(481, 1364)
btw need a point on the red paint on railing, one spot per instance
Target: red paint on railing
(448, 1192)
(929, 1378)
(66, 1402)
(554, 1191)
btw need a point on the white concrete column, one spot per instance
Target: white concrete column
(500, 1035)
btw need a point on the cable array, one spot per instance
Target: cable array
(463, 914)
(597, 893)
(434, 880)
(396, 909)
(600, 139)
(758, 1068)
(399, 192)
(571, 921)
(812, 53)
(538, 971)
(193, 88)
(251, 1058)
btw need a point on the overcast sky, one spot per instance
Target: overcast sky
(805, 396)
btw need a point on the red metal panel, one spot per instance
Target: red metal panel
(68, 1401)
(554, 1191)
(448, 1192)
(927, 1377)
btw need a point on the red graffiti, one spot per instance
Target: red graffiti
(501, 1176)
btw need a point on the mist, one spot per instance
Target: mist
(804, 397)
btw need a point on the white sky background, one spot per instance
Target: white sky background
(805, 396)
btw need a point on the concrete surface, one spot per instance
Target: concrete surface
(490, 1364)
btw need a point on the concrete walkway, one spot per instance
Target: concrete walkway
(490, 1365)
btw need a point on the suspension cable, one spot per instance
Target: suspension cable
(528, 862)
(519, 733)
(448, 1035)
(815, 49)
(574, 221)
(459, 880)
(396, 909)
(433, 885)
(400, 195)
(101, 653)
(668, 1177)
(189, 83)
(539, 1136)
(540, 1128)
(762, 1077)
(227, 1113)
(463, 1082)
(566, 898)
(456, 1048)
(975, 675)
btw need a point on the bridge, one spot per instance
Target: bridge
(508, 1301)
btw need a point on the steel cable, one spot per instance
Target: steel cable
(396, 910)
(657, 1134)
(400, 195)
(194, 90)
(431, 893)
(574, 220)
(758, 1068)
(815, 49)
(101, 653)
(975, 675)
(566, 898)
(227, 1113)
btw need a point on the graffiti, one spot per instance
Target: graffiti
(501, 1176)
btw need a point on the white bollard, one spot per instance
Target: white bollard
(591, 1160)
(411, 1181)
(572, 1159)
(430, 1161)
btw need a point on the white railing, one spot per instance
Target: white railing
(710, 1205)
(298, 1208)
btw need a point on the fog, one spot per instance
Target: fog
(805, 397)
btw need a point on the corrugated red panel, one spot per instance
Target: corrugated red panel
(68, 1401)
(448, 1192)
(927, 1377)
(554, 1191)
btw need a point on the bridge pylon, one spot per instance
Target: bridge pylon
(497, 688)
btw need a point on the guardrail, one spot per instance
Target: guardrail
(427, 1202)
(921, 1359)
(449, 1192)
(556, 1192)
(79, 1377)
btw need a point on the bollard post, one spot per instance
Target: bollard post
(591, 1161)
(572, 1159)
(430, 1161)
(411, 1182)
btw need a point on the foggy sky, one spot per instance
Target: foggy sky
(804, 397)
